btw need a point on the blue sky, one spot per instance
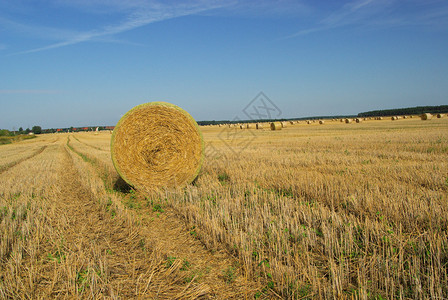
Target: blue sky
(86, 62)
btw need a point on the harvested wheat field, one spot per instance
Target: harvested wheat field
(357, 210)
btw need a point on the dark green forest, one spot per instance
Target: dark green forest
(418, 110)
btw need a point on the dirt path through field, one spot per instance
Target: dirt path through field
(15, 163)
(157, 258)
(101, 255)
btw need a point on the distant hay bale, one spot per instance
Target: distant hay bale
(426, 116)
(321, 122)
(439, 116)
(291, 122)
(156, 145)
(308, 122)
(341, 120)
(348, 121)
(359, 120)
(283, 124)
(248, 126)
(241, 127)
(380, 118)
(405, 117)
(259, 126)
(276, 126)
(394, 118)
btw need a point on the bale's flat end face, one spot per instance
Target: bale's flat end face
(157, 144)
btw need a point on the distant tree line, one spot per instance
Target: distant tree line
(35, 130)
(418, 110)
(202, 123)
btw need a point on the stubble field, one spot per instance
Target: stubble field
(311, 211)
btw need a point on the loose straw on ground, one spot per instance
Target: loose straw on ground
(157, 144)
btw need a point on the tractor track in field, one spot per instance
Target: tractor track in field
(6, 167)
(104, 252)
(218, 272)
(88, 145)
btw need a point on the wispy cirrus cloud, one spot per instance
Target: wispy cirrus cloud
(382, 14)
(136, 14)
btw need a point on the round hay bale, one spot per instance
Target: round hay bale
(308, 122)
(439, 116)
(426, 116)
(291, 122)
(259, 126)
(348, 121)
(283, 124)
(321, 122)
(241, 127)
(276, 126)
(359, 120)
(248, 126)
(156, 145)
(394, 118)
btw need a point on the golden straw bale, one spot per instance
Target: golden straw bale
(440, 116)
(241, 127)
(321, 122)
(276, 126)
(426, 116)
(347, 121)
(156, 145)
(248, 126)
(283, 124)
(359, 120)
(291, 122)
(259, 126)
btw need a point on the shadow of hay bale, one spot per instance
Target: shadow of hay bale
(122, 186)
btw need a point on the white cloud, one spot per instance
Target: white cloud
(140, 13)
(382, 14)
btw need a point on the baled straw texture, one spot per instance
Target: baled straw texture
(276, 126)
(426, 116)
(321, 122)
(259, 126)
(440, 116)
(157, 144)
